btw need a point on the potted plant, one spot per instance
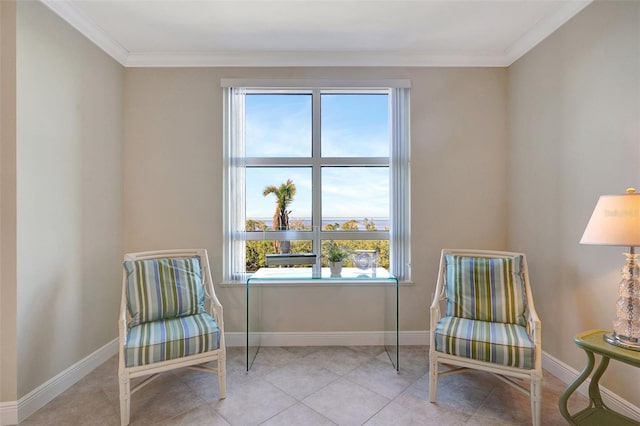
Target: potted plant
(336, 254)
(284, 197)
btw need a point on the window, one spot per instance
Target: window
(306, 164)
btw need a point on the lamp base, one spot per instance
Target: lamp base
(623, 342)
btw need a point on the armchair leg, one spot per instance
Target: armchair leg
(222, 376)
(125, 400)
(433, 378)
(536, 400)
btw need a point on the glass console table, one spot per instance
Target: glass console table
(263, 277)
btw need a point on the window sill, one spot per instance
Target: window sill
(314, 283)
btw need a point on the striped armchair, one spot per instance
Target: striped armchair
(489, 321)
(170, 318)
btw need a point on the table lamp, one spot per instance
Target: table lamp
(616, 221)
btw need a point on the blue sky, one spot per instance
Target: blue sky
(352, 125)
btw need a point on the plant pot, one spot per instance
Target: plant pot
(285, 247)
(335, 268)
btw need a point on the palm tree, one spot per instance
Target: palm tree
(284, 197)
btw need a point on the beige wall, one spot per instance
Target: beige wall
(574, 105)
(173, 175)
(8, 355)
(501, 159)
(69, 198)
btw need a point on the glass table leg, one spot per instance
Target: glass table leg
(391, 324)
(254, 322)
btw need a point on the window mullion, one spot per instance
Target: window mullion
(316, 172)
(354, 235)
(278, 235)
(355, 161)
(277, 161)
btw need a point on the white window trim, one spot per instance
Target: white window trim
(234, 234)
(253, 83)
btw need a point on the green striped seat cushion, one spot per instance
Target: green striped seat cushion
(169, 339)
(498, 343)
(163, 288)
(485, 289)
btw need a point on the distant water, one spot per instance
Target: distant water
(380, 222)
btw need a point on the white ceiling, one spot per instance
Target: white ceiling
(316, 32)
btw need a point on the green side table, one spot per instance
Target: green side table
(597, 413)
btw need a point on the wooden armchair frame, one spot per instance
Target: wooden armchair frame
(460, 364)
(212, 306)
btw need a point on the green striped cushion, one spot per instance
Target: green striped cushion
(485, 289)
(163, 288)
(164, 340)
(498, 343)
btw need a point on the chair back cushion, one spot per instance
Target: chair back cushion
(166, 288)
(485, 289)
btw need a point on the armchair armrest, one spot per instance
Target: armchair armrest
(214, 307)
(435, 310)
(435, 313)
(122, 327)
(439, 295)
(534, 325)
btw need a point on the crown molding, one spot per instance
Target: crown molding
(81, 22)
(544, 28)
(278, 58)
(273, 58)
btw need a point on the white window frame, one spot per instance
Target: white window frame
(235, 163)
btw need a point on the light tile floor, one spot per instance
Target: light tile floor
(306, 386)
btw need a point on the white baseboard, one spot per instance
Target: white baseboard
(12, 413)
(338, 338)
(9, 413)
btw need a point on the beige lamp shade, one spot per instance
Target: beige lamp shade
(615, 221)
